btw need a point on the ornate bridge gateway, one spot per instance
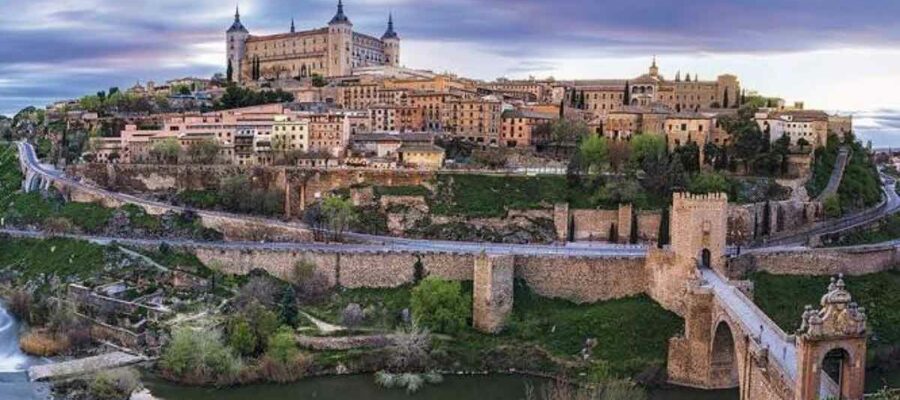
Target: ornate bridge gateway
(729, 342)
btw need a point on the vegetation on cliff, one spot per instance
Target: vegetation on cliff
(860, 186)
(783, 298)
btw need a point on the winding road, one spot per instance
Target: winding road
(367, 243)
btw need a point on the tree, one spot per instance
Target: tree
(566, 132)
(204, 151)
(689, 155)
(725, 103)
(287, 307)
(594, 153)
(166, 150)
(440, 305)
(646, 146)
(198, 356)
(626, 99)
(802, 142)
(229, 72)
(338, 213)
(318, 80)
(709, 182)
(621, 190)
(832, 205)
(618, 155)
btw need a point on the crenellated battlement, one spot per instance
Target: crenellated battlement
(685, 198)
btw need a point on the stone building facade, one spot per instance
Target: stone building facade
(334, 50)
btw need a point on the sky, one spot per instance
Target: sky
(835, 55)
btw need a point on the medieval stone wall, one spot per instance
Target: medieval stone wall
(581, 280)
(648, 225)
(860, 260)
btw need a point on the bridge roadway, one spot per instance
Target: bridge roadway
(781, 347)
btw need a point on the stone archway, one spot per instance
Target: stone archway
(836, 366)
(723, 371)
(705, 259)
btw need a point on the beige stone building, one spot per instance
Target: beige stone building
(433, 106)
(652, 89)
(421, 156)
(334, 50)
(329, 133)
(529, 90)
(290, 134)
(477, 120)
(519, 125)
(684, 128)
(392, 118)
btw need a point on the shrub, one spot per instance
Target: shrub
(58, 226)
(43, 343)
(262, 322)
(241, 337)
(115, 384)
(409, 352)
(258, 288)
(198, 356)
(352, 316)
(440, 305)
(282, 345)
(20, 304)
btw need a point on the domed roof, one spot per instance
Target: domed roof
(237, 26)
(339, 17)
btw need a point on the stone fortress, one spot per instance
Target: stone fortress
(331, 51)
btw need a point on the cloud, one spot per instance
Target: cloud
(52, 49)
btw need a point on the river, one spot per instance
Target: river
(13, 363)
(492, 387)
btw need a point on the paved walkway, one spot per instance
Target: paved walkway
(83, 366)
(837, 174)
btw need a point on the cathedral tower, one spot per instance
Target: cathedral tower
(340, 43)
(236, 46)
(391, 44)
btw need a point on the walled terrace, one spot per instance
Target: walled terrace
(303, 186)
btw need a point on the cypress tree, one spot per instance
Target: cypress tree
(634, 227)
(288, 307)
(627, 97)
(725, 103)
(229, 72)
(663, 238)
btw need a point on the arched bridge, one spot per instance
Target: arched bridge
(729, 342)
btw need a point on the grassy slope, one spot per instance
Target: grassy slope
(491, 196)
(783, 297)
(63, 258)
(632, 333)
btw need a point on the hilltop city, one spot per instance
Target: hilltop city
(318, 219)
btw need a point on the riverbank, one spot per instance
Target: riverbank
(363, 387)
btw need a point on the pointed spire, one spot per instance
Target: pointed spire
(339, 17)
(678, 76)
(292, 25)
(654, 60)
(389, 33)
(237, 26)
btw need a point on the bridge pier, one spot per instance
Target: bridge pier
(492, 297)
